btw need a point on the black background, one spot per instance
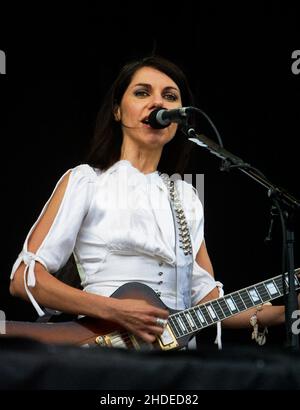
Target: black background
(238, 60)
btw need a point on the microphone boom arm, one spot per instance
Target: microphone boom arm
(232, 161)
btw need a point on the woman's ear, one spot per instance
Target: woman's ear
(117, 114)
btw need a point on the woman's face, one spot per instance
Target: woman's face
(149, 89)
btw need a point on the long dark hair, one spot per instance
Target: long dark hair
(106, 144)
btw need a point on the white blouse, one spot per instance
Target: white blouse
(119, 225)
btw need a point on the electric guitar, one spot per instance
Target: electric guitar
(181, 326)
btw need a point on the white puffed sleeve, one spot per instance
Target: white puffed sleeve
(59, 242)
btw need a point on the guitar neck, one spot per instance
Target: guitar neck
(192, 320)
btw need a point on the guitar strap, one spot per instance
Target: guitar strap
(183, 247)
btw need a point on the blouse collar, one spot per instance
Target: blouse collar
(152, 177)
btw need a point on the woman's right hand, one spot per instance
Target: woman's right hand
(138, 316)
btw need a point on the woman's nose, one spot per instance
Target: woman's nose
(157, 101)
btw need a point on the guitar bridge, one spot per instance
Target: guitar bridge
(119, 340)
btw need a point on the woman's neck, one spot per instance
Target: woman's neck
(145, 161)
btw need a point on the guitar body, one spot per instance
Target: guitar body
(181, 326)
(91, 332)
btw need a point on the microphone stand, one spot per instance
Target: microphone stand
(285, 204)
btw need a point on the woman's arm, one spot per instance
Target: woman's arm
(203, 259)
(137, 316)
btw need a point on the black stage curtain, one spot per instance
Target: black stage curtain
(30, 365)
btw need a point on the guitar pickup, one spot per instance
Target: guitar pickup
(167, 340)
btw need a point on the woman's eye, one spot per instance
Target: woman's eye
(171, 97)
(141, 93)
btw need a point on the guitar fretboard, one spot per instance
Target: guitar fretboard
(198, 317)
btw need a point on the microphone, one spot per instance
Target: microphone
(161, 118)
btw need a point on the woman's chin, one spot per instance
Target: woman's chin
(157, 140)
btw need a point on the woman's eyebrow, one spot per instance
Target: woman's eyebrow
(150, 86)
(142, 85)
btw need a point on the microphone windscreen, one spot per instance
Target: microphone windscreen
(153, 121)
